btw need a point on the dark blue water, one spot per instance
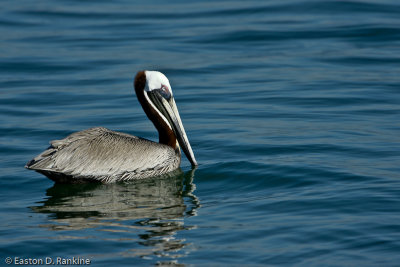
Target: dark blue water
(292, 109)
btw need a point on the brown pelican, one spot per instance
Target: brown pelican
(99, 154)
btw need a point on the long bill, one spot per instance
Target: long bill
(170, 111)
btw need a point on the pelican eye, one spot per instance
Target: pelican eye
(165, 92)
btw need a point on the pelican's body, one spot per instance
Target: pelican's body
(99, 154)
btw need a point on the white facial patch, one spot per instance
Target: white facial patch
(155, 80)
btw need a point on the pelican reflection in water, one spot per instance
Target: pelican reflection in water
(148, 214)
(99, 154)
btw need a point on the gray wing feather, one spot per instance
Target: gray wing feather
(105, 155)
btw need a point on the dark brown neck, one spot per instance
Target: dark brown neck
(165, 134)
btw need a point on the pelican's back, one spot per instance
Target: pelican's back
(99, 154)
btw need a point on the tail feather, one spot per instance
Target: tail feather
(39, 162)
(44, 162)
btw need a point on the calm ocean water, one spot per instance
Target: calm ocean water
(292, 109)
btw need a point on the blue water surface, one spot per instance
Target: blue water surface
(292, 109)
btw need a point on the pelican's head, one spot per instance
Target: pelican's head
(155, 94)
